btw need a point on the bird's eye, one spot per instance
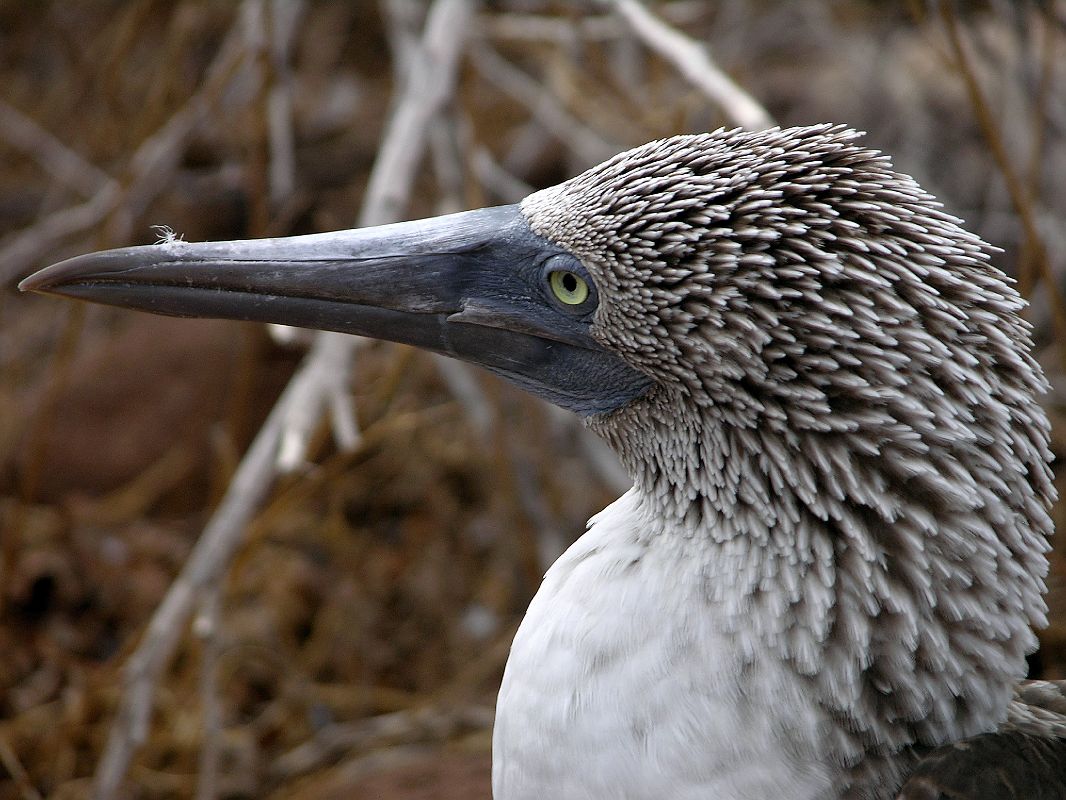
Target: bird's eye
(568, 287)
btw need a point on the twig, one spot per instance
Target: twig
(156, 157)
(393, 176)
(543, 28)
(258, 66)
(284, 18)
(208, 560)
(429, 85)
(231, 80)
(694, 63)
(499, 181)
(326, 389)
(402, 21)
(586, 144)
(206, 626)
(460, 379)
(19, 251)
(430, 81)
(398, 727)
(17, 772)
(1043, 91)
(65, 165)
(447, 163)
(463, 384)
(1034, 248)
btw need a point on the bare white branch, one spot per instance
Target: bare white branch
(206, 563)
(284, 20)
(429, 84)
(324, 388)
(425, 92)
(206, 626)
(587, 145)
(65, 165)
(496, 179)
(156, 158)
(694, 62)
(430, 78)
(520, 27)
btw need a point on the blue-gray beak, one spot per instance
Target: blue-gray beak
(469, 285)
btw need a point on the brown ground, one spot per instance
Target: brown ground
(366, 620)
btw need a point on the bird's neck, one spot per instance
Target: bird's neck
(885, 597)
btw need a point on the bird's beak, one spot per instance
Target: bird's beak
(461, 285)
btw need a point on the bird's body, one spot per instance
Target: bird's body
(828, 571)
(623, 683)
(843, 454)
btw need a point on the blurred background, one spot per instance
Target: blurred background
(352, 645)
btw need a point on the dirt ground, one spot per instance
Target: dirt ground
(358, 636)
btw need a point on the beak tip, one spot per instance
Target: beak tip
(45, 280)
(35, 282)
(76, 268)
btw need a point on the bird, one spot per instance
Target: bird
(825, 579)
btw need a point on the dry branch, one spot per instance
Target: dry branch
(284, 18)
(207, 627)
(519, 27)
(430, 76)
(63, 164)
(430, 82)
(325, 388)
(1034, 249)
(17, 772)
(695, 64)
(428, 87)
(585, 143)
(150, 165)
(399, 727)
(205, 565)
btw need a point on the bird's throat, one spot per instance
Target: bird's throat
(865, 605)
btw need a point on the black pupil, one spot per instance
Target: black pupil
(570, 282)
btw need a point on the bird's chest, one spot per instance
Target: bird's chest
(619, 685)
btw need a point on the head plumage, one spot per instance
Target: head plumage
(786, 267)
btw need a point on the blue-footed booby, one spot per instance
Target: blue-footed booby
(824, 581)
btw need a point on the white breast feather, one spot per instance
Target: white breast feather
(620, 686)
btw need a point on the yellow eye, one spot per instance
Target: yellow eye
(568, 287)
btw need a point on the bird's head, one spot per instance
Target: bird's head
(782, 272)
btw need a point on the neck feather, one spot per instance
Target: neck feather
(898, 584)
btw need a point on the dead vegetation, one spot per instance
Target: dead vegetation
(343, 633)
